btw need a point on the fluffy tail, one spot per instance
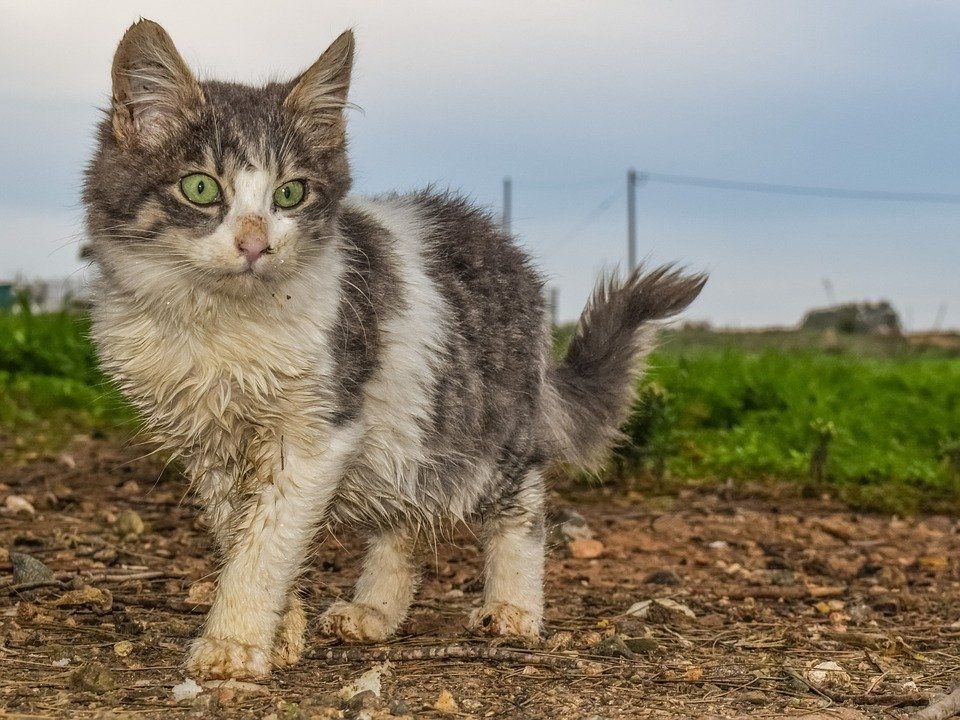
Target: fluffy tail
(593, 388)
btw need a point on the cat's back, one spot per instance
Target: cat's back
(489, 286)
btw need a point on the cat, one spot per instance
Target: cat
(315, 358)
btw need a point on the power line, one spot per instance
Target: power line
(807, 190)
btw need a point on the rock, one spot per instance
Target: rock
(123, 648)
(585, 548)
(828, 674)
(445, 704)
(366, 700)
(93, 677)
(642, 645)
(27, 570)
(18, 505)
(398, 707)
(99, 600)
(661, 577)
(187, 690)
(660, 610)
(130, 487)
(128, 524)
(614, 646)
(571, 525)
(369, 681)
(201, 593)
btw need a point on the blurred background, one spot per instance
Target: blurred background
(805, 153)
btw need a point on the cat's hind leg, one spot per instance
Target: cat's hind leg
(382, 595)
(513, 540)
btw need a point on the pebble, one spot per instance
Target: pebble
(445, 704)
(28, 570)
(19, 505)
(662, 577)
(128, 523)
(585, 548)
(93, 597)
(93, 677)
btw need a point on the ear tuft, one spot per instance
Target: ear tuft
(153, 88)
(320, 93)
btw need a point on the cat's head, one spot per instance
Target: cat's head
(214, 185)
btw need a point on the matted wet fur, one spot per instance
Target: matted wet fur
(315, 358)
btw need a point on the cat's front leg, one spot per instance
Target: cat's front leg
(383, 593)
(268, 542)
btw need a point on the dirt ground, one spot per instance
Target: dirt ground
(750, 598)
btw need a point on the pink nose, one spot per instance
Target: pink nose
(251, 237)
(252, 248)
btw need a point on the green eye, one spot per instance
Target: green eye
(289, 194)
(200, 188)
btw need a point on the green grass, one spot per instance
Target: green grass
(887, 429)
(875, 422)
(50, 386)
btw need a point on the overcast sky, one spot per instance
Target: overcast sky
(563, 97)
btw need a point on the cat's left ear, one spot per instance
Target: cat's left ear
(153, 89)
(319, 95)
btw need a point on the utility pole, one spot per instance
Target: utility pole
(507, 203)
(631, 219)
(554, 306)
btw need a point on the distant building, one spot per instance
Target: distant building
(7, 295)
(866, 318)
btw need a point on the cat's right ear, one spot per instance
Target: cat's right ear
(153, 89)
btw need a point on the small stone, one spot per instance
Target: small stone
(642, 645)
(130, 487)
(570, 525)
(19, 505)
(585, 548)
(201, 593)
(368, 681)
(364, 700)
(27, 570)
(187, 690)
(128, 524)
(123, 648)
(445, 704)
(399, 707)
(662, 577)
(93, 677)
(99, 600)
(614, 647)
(828, 673)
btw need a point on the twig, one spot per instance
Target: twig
(123, 577)
(789, 592)
(454, 651)
(890, 699)
(945, 707)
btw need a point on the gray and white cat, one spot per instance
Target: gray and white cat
(316, 358)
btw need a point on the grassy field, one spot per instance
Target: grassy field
(873, 421)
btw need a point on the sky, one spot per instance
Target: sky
(564, 97)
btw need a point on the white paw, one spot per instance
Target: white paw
(355, 623)
(290, 641)
(223, 659)
(503, 619)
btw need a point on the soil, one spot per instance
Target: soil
(761, 607)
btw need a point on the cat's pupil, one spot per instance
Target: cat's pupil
(286, 192)
(200, 186)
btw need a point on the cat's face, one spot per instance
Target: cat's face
(214, 185)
